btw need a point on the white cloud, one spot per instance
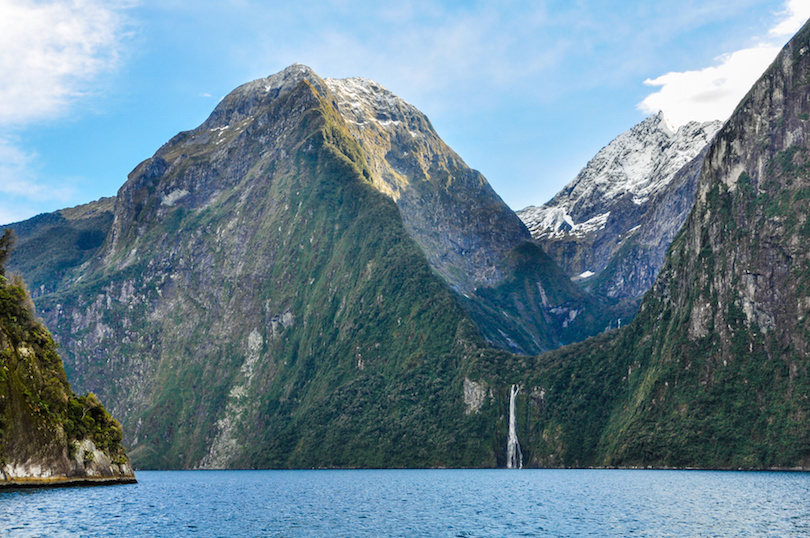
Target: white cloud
(49, 51)
(795, 15)
(713, 92)
(17, 170)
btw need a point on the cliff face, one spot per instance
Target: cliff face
(48, 435)
(713, 371)
(728, 316)
(462, 225)
(610, 227)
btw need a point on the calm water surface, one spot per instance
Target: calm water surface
(456, 503)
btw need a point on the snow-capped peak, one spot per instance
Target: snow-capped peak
(636, 164)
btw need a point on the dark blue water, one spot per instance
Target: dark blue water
(455, 503)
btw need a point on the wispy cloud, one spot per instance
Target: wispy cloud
(20, 191)
(18, 170)
(794, 16)
(713, 92)
(51, 52)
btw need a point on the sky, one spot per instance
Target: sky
(524, 91)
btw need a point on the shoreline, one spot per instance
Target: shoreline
(65, 482)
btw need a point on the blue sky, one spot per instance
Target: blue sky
(525, 91)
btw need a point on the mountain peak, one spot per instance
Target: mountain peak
(618, 196)
(288, 78)
(243, 102)
(638, 162)
(660, 121)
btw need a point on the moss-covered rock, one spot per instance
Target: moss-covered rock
(48, 435)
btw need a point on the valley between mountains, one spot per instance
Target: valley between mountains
(312, 278)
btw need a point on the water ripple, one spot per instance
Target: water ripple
(451, 503)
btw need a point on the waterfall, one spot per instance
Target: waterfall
(514, 457)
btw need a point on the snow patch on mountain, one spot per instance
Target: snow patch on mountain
(637, 165)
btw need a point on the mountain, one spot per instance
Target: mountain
(515, 293)
(305, 280)
(517, 296)
(713, 372)
(48, 435)
(49, 247)
(263, 298)
(610, 227)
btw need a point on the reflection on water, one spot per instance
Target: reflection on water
(459, 503)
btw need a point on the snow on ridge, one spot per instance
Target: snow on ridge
(364, 95)
(639, 162)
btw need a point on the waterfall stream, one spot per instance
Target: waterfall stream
(514, 457)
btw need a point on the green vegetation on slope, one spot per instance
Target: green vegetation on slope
(290, 321)
(50, 245)
(40, 417)
(713, 372)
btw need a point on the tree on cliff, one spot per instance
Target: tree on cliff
(6, 245)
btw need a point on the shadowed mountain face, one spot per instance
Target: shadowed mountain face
(516, 295)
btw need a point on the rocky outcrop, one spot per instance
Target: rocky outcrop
(82, 464)
(48, 435)
(610, 227)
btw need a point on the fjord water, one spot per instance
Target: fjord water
(559, 503)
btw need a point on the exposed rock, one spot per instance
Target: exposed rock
(474, 395)
(610, 227)
(48, 435)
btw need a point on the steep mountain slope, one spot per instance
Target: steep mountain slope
(611, 225)
(259, 302)
(729, 371)
(463, 226)
(471, 238)
(48, 435)
(714, 370)
(51, 245)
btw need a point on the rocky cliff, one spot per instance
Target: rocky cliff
(610, 227)
(48, 435)
(727, 320)
(713, 372)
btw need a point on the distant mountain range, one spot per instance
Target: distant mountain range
(312, 278)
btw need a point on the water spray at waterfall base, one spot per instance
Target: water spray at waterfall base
(514, 457)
